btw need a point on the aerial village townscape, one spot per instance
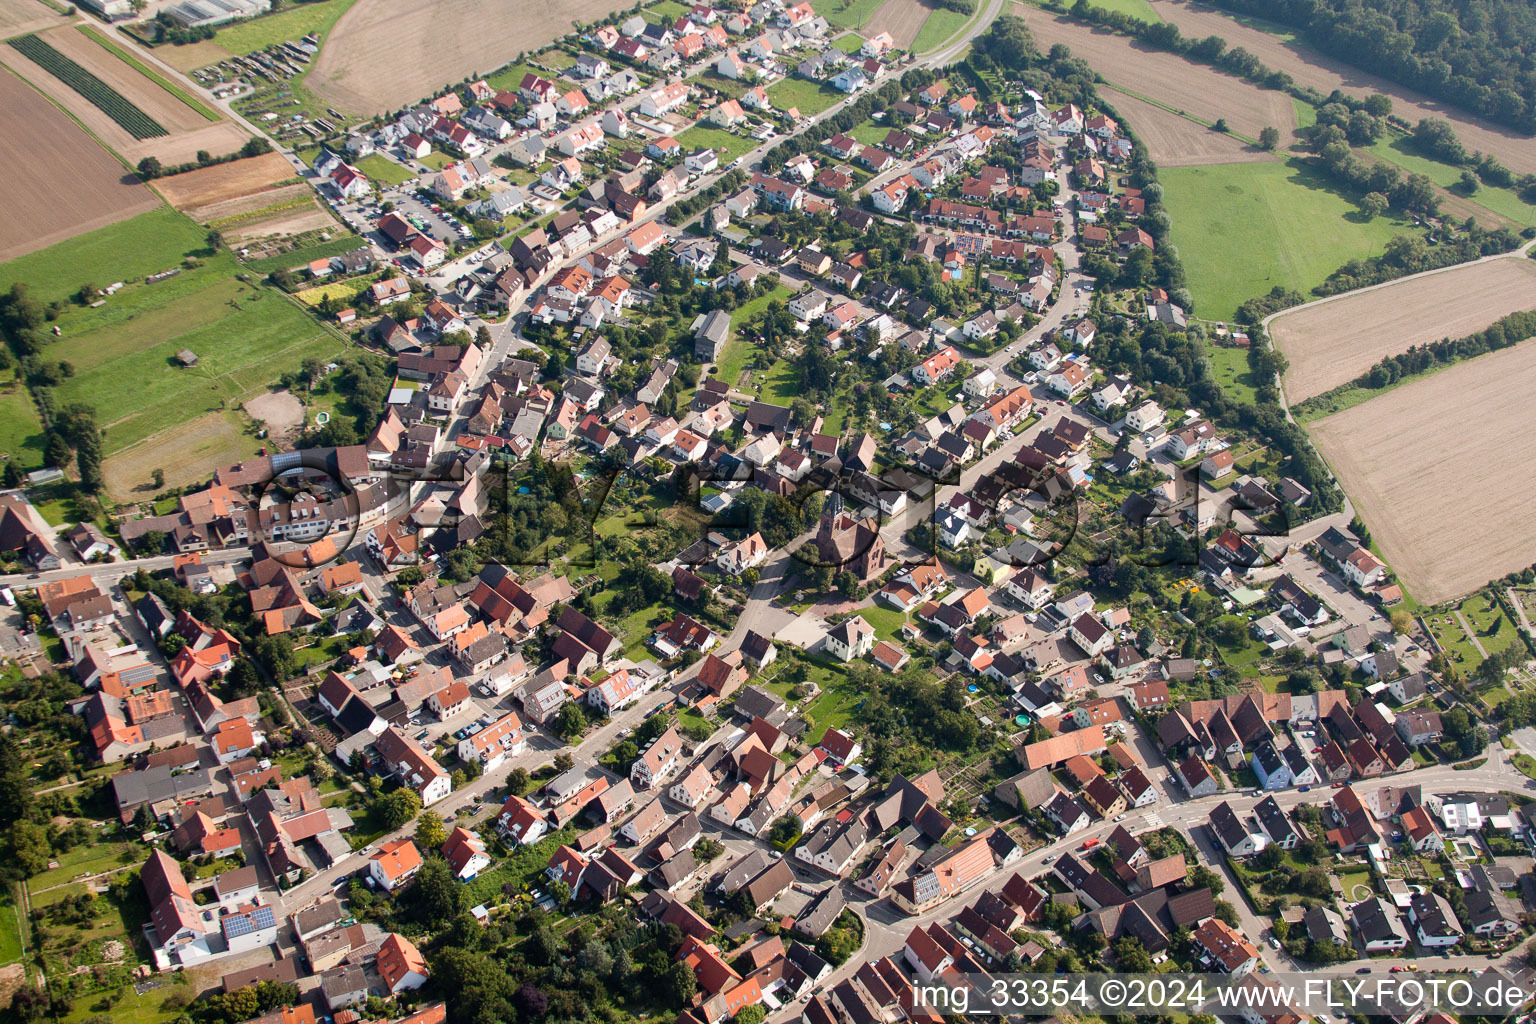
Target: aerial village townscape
(743, 511)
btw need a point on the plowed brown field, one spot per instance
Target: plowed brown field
(59, 182)
(1196, 89)
(1176, 141)
(1308, 67)
(1438, 472)
(1334, 342)
(225, 181)
(903, 19)
(384, 54)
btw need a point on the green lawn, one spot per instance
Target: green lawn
(1244, 228)
(21, 435)
(1230, 367)
(437, 160)
(83, 860)
(1396, 150)
(846, 13)
(150, 73)
(670, 10)
(244, 335)
(805, 96)
(940, 27)
(728, 144)
(382, 170)
(869, 133)
(886, 620)
(509, 77)
(130, 249)
(10, 932)
(849, 42)
(834, 706)
(293, 22)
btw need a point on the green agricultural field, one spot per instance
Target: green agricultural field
(293, 22)
(128, 250)
(808, 97)
(383, 171)
(940, 27)
(846, 13)
(1396, 150)
(21, 435)
(245, 336)
(1242, 229)
(728, 144)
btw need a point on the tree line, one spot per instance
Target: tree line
(1471, 53)
(1502, 333)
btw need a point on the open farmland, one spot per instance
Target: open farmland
(185, 129)
(18, 17)
(382, 55)
(1308, 67)
(60, 183)
(1175, 141)
(225, 181)
(903, 19)
(1244, 228)
(1195, 89)
(245, 336)
(1446, 519)
(1333, 342)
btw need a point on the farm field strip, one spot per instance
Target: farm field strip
(1195, 89)
(903, 19)
(111, 102)
(60, 182)
(1445, 521)
(1175, 141)
(149, 73)
(224, 181)
(382, 55)
(1310, 68)
(1334, 342)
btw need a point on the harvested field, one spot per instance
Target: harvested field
(1308, 67)
(188, 453)
(225, 181)
(18, 17)
(189, 130)
(903, 19)
(182, 147)
(61, 183)
(1334, 342)
(242, 206)
(382, 55)
(1175, 141)
(1447, 523)
(288, 222)
(1196, 89)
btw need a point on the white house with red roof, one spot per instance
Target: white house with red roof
(465, 853)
